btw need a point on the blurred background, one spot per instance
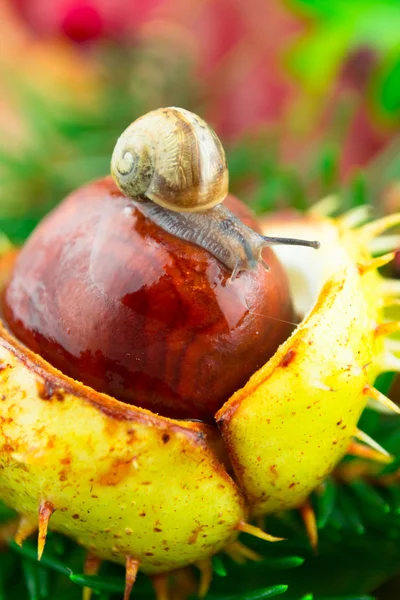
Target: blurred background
(304, 93)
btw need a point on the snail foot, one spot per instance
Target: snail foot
(252, 247)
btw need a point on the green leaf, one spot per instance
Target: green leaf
(351, 513)
(339, 29)
(384, 382)
(279, 564)
(44, 582)
(325, 498)
(390, 95)
(327, 168)
(316, 57)
(5, 244)
(6, 514)
(218, 566)
(357, 194)
(368, 496)
(18, 229)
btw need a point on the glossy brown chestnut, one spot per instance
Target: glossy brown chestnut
(114, 301)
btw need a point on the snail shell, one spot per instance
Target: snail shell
(172, 157)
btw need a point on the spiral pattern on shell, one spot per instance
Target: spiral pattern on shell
(172, 157)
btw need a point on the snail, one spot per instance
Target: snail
(172, 162)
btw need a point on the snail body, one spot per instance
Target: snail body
(173, 163)
(220, 232)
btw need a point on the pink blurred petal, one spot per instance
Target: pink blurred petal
(249, 98)
(83, 20)
(82, 23)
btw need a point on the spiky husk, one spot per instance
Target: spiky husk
(137, 488)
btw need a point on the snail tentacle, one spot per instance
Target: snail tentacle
(274, 241)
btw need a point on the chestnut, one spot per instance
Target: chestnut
(118, 303)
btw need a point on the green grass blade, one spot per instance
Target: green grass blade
(111, 585)
(351, 513)
(218, 566)
(368, 495)
(30, 572)
(279, 564)
(6, 514)
(384, 381)
(262, 594)
(29, 551)
(346, 598)
(325, 498)
(44, 582)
